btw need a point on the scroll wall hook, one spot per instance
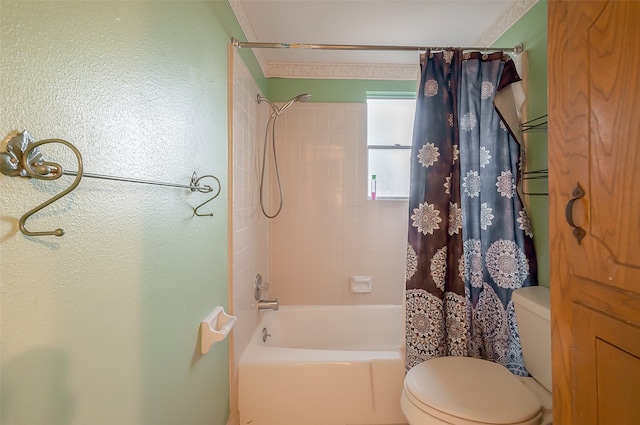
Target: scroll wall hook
(47, 171)
(22, 158)
(195, 180)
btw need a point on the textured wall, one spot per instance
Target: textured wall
(101, 325)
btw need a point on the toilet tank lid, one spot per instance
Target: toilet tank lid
(472, 389)
(534, 298)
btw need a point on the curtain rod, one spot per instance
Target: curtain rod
(258, 45)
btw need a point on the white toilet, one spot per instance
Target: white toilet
(470, 391)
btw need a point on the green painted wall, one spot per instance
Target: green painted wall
(227, 20)
(101, 326)
(345, 91)
(531, 31)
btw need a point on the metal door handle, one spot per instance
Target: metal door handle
(578, 231)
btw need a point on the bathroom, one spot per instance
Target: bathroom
(327, 207)
(100, 326)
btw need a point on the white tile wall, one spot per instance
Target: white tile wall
(328, 230)
(250, 244)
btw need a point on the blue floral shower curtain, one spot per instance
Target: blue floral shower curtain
(470, 241)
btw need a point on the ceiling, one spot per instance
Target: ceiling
(420, 23)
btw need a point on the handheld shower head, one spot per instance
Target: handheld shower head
(299, 98)
(271, 125)
(277, 111)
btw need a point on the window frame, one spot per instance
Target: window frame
(395, 146)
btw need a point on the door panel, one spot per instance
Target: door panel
(594, 140)
(610, 348)
(614, 90)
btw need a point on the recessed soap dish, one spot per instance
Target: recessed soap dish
(360, 284)
(214, 328)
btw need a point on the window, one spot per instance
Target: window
(389, 134)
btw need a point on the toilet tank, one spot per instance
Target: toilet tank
(533, 314)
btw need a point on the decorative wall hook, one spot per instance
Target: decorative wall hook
(47, 171)
(22, 158)
(195, 180)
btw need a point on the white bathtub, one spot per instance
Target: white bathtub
(324, 365)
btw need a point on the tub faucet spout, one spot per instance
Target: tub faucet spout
(268, 305)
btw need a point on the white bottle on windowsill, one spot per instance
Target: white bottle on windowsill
(373, 187)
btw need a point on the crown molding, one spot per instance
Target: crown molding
(505, 21)
(368, 71)
(343, 71)
(245, 25)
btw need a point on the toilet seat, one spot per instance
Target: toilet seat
(466, 390)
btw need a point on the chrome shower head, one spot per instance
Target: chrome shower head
(277, 111)
(299, 98)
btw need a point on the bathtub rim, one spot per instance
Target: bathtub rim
(255, 353)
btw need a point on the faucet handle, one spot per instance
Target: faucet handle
(260, 287)
(257, 287)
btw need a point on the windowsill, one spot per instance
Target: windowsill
(388, 198)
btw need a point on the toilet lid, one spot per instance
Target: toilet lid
(472, 389)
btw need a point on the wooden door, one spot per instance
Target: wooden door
(594, 141)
